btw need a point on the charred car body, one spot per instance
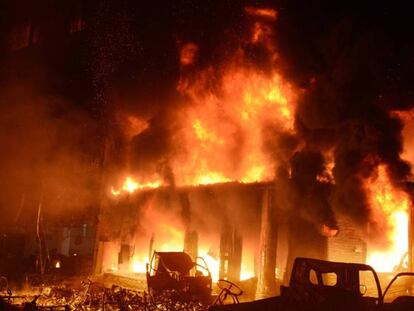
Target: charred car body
(323, 285)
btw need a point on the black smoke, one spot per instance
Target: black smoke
(354, 61)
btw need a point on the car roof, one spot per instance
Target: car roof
(345, 271)
(176, 261)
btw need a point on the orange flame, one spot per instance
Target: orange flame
(390, 211)
(138, 264)
(224, 128)
(231, 110)
(130, 185)
(328, 176)
(224, 135)
(262, 12)
(170, 238)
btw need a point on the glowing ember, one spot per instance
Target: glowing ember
(390, 211)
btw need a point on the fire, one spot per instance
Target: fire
(247, 265)
(130, 185)
(231, 112)
(169, 238)
(139, 263)
(390, 211)
(262, 12)
(212, 262)
(224, 134)
(246, 273)
(327, 176)
(172, 239)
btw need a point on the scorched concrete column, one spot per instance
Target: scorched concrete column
(266, 278)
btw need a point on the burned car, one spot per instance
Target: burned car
(323, 285)
(177, 272)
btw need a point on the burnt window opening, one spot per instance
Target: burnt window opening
(329, 279)
(313, 277)
(323, 278)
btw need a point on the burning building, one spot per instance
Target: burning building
(233, 173)
(267, 133)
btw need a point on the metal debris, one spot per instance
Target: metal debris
(93, 296)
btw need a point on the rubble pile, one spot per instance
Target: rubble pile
(92, 296)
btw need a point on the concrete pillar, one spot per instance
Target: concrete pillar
(191, 243)
(236, 259)
(266, 278)
(124, 256)
(63, 241)
(99, 258)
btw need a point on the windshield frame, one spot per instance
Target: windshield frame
(397, 276)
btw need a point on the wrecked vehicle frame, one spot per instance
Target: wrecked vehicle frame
(176, 271)
(324, 285)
